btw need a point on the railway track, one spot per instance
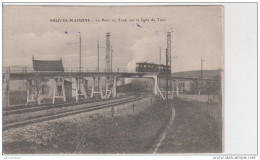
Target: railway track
(59, 114)
(26, 109)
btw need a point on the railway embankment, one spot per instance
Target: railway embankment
(126, 128)
(43, 112)
(197, 128)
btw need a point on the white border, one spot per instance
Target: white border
(240, 82)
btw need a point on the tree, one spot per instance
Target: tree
(34, 87)
(194, 87)
(214, 87)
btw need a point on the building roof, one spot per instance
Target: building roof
(46, 65)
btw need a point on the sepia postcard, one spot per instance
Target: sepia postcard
(82, 79)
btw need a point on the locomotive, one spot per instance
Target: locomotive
(152, 67)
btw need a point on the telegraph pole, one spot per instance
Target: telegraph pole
(79, 75)
(98, 55)
(160, 56)
(79, 52)
(146, 83)
(168, 55)
(159, 67)
(166, 78)
(201, 68)
(79, 49)
(201, 65)
(168, 63)
(79, 62)
(111, 58)
(98, 62)
(201, 75)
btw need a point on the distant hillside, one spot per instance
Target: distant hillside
(197, 73)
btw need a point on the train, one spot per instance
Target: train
(152, 67)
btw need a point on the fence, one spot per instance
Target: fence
(201, 98)
(212, 107)
(23, 69)
(214, 111)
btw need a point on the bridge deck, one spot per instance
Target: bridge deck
(75, 74)
(33, 74)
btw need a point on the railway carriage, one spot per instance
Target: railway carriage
(151, 67)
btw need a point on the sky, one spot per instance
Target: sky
(196, 32)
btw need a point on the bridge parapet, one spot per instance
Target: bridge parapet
(19, 72)
(24, 69)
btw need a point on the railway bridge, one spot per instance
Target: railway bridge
(32, 78)
(81, 77)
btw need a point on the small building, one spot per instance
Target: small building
(47, 65)
(47, 86)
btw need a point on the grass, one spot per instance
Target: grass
(125, 132)
(52, 111)
(193, 131)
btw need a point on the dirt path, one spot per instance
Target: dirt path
(164, 132)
